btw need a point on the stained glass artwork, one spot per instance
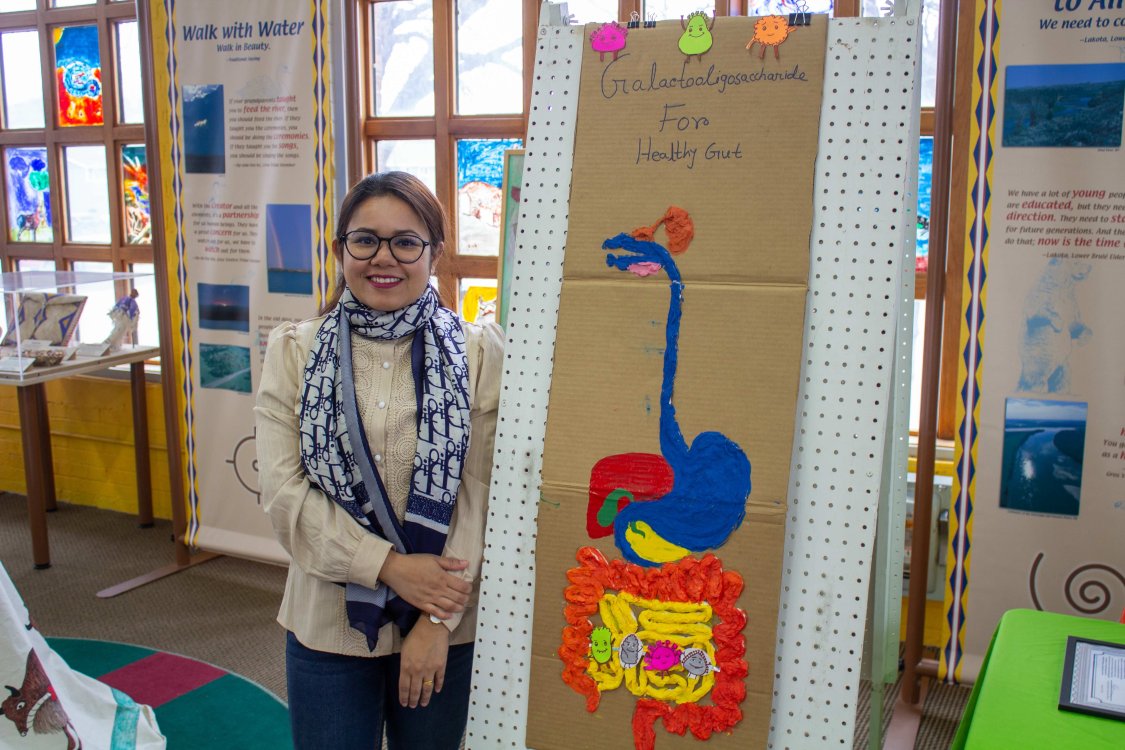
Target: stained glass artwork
(23, 93)
(138, 227)
(29, 194)
(925, 179)
(78, 75)
(489, 57)
(480, 175)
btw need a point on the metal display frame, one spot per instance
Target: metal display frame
(850, 440)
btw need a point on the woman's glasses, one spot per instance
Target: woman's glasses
(362, 244)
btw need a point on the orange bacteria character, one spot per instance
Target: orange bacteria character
(770, 31)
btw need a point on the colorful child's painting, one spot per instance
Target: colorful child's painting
(925, 182)
(289, 248)
(78, 75)
(138, 219)
(29, 194)
(480, 176)
(670, 636)
(205, 149)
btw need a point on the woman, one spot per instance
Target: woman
(375, 427)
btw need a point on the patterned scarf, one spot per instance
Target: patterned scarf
(334, 448)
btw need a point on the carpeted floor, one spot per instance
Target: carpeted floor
(197, 705)
(222, 612)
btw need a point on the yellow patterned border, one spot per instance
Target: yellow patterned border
(986, 49)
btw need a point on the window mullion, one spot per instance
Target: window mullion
(50, 142)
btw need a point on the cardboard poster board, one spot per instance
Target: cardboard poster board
(729, 138)
(245, 147)
(1039, 494)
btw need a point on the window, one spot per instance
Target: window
(75, 185)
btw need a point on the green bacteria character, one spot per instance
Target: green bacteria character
(696, 39)
(601, 645)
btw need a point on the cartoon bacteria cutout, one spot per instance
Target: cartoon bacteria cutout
(609, 37)
(770, 31)
(696, 662)
(696, 39)
(630, 651)
(601, 645)
(662, 656)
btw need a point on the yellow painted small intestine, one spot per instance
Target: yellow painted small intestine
(687, 624)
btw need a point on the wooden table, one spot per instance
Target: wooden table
(36, 433)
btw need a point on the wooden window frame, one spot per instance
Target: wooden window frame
(113, 136)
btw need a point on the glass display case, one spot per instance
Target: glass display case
(59, 323)
(54, 328)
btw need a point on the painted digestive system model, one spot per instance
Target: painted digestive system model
(662, 624)
(689, 498)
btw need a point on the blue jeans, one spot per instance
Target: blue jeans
(341, 702)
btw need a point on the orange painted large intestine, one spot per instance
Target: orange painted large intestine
(675, 607)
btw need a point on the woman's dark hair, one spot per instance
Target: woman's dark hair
(402, 185)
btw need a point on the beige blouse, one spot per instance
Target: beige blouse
(325, 544)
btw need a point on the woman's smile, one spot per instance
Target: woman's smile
(383, 282)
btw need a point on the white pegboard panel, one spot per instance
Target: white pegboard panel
(891, 531)
(502, 664)
(864, 176)
(862, 186)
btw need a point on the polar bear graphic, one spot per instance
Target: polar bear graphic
(1052, 327)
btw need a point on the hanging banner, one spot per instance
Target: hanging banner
(1040, 477)
(674, 391)
(245, 140)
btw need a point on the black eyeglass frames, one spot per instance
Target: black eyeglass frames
(362, 244)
